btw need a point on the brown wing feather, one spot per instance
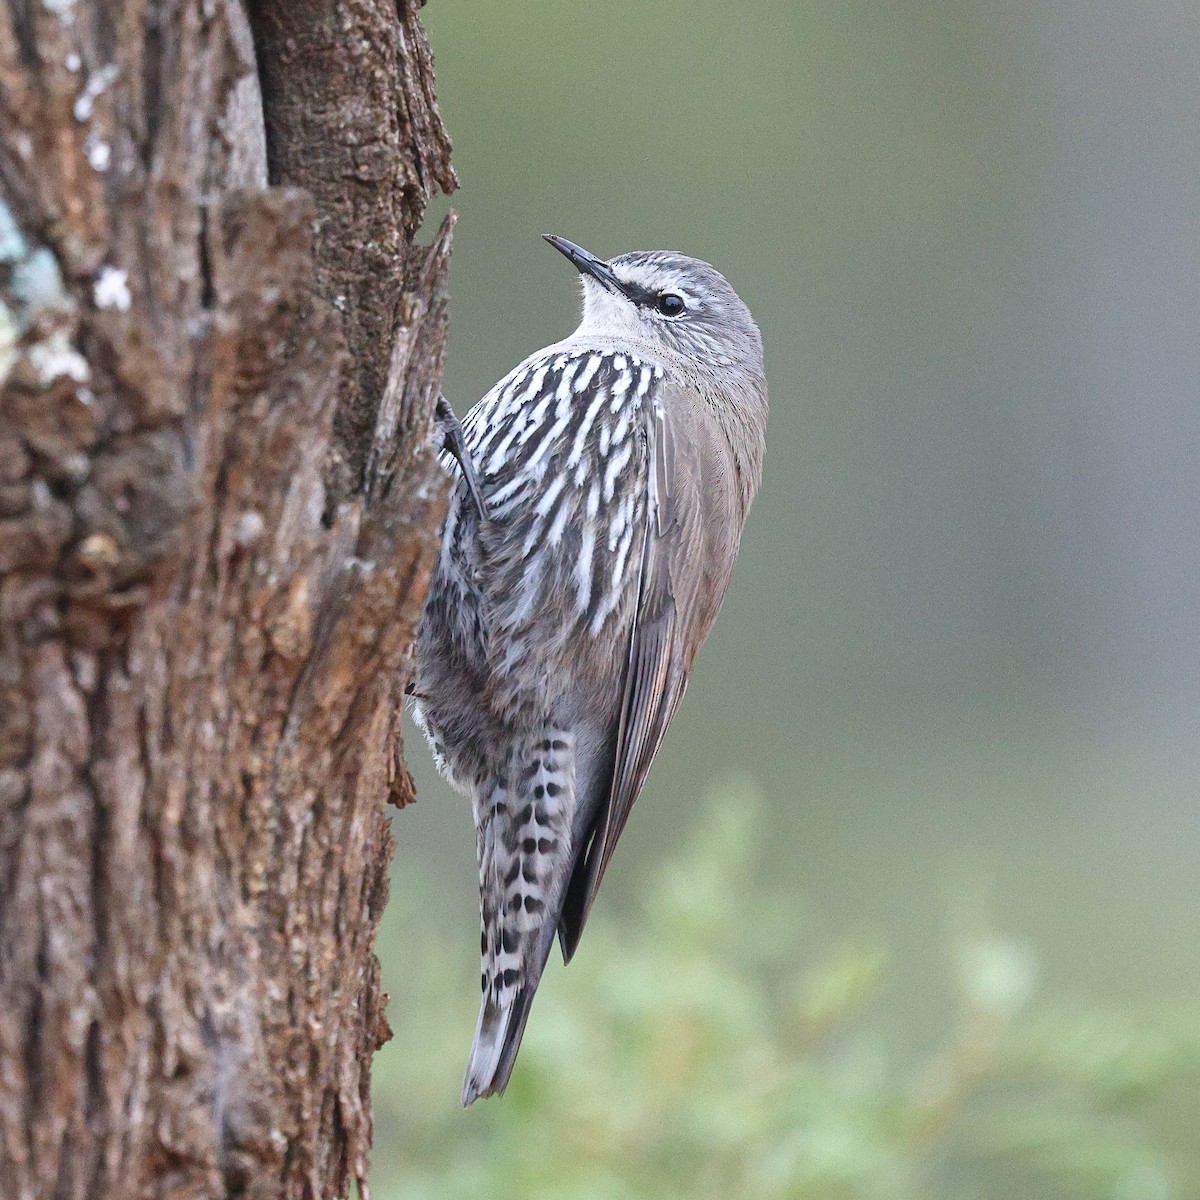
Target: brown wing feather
(658, 665)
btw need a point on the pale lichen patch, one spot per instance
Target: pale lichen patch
(55, 358)
(111, 289)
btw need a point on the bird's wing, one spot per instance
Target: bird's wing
(671, 618)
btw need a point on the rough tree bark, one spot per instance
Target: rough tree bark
(218, 511)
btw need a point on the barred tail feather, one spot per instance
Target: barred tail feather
(497, 1039)
(503, 1013)
(524, 824)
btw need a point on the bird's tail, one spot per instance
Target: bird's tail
(498, 1036)
(524, 826)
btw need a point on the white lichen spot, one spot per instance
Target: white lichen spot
(98, 152)
(12, 244)
(73, 62)
(55, 358)
(86, 668)
(9, 333)
(111, 289)
(76, 467)
(99, 552)
(79, 1021)
(249, 528)
(61, 8)
(85, 102)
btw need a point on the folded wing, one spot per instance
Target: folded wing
(689, 524)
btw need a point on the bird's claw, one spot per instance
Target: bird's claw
(455, 444)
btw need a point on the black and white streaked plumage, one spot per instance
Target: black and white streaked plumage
(617, 468)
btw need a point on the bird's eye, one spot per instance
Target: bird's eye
(670, 304)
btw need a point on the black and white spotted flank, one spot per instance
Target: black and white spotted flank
(616, 469)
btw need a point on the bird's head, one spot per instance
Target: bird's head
(680, 308)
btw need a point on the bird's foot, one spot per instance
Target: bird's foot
(455, 444)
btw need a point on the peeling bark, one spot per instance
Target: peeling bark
(218, 511)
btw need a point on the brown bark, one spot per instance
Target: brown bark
(218, 511)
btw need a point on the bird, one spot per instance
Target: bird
(587, 547)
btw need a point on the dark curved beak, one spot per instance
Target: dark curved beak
(585, 263)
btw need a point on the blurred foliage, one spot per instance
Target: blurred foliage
(716, 1044)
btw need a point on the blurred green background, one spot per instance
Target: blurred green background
(909, 905)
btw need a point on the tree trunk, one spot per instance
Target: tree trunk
(218, 514)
